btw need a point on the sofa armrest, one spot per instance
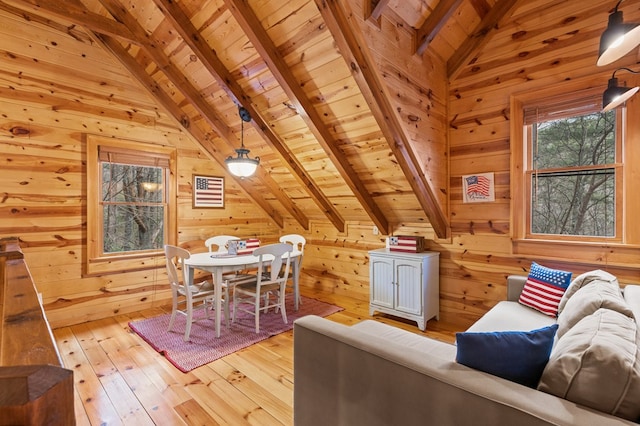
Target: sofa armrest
(515, 284)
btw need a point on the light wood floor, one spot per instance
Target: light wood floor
(120, 379)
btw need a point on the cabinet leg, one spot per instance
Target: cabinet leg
(422, 325)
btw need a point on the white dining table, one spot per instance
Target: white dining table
(219, 263)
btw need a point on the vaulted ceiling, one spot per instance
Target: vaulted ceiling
(348, 98)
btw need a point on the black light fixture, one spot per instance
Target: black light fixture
(618, 39)
(242, 166)
(616, 95)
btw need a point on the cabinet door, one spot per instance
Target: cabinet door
(409, 286)
(381, 282)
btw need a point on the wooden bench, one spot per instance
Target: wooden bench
(35, 389)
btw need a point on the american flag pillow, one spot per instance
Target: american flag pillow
(544, 289)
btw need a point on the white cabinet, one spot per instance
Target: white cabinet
(405, 285)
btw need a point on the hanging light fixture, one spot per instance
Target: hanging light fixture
(616, 95)
(618, 39)
(242, 166)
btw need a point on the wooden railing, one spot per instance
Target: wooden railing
(35, 389)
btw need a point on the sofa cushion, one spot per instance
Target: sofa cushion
(584, 280)
(597, 364)
(511, 316)
(632, 297)
(544, 289)
(588, 299)
(519, 356)
(397, 336)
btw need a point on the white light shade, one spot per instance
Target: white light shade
(242, 167)
(617, 40)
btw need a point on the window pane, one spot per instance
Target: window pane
(133, 209)
(130, 228)
(574, 203)
(130, 183)
(576, 141)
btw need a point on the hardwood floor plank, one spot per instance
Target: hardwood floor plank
(120, 379)
(97, 404)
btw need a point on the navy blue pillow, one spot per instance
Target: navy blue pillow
(519, 356)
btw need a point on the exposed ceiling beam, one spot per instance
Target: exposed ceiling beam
(261, 41)
(174, 110)
(181, 22)
(434, 23)
(67, 11)
(352, 46)
(479, 37)
(377, 7)
(199, 103)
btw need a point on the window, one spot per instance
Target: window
(572, 174)
(129, 213)
(567, 180)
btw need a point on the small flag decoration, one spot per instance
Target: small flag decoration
(478, 188)
(407, 244)
(208, 191)
(248, 246)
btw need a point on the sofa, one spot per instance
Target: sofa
(376, 374)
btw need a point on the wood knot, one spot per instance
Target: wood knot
(19, 131)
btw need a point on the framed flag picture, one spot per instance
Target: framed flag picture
(478, 188)
(208, 191)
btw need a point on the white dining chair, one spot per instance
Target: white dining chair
(219, 242)
(268, 283)
(298, 242)
(186, 298)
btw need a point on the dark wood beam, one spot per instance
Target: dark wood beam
(258, 36)
(434, 23)
(352, 46)
(174, 110)
(181, 22)
(479, 37)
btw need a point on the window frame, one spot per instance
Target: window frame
(587, 251)
(98, 262)
(530, 172)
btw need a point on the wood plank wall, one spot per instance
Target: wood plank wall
(43, 192)
(43, 203)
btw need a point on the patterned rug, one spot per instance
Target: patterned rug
(203, 347)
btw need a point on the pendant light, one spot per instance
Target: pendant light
(242, 166)
(618, 39)
(616, 95)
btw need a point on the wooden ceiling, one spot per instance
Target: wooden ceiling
(348, 98)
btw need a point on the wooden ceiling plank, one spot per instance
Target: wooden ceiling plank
(203, 108)
(261, 41)
(351, 44)
(479, 37)
(434, 23)
(79, 16)
(174, 110)
(209, 59)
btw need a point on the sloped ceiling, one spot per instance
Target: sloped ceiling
(348, 98)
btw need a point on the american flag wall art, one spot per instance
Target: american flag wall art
(208, 191)
(478, 188)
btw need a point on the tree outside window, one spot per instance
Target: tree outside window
(133, 205)
(573, 175)
(131, 214)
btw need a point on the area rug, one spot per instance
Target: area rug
(203, 347)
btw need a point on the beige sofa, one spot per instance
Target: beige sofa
(375, 374)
